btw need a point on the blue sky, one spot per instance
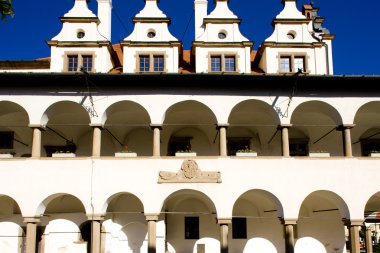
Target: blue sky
(356, 49)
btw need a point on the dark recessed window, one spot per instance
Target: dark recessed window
(80, 35)
(239, 228)
(151, 35)
(6, 140)
(191, 228)
(299, 147)
(177, 144)
(238, 143)
(222, 35)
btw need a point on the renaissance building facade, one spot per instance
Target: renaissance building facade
(143, 146)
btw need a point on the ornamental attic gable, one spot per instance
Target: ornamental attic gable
(219, 45)
(151, 47)
(296, 44)
(83, 44)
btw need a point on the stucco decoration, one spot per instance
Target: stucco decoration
(189, 173)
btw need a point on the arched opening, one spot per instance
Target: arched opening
(63, 215)
(256, 215)
(190, 218)
(125, 225)
(252, 124)
(127, 129)
(315, 129)
(67, 130)
(12, 236)
(320, 218)
(372, 221)
(366, 133)
(15, 135)
(190, 126)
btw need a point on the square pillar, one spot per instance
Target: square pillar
(31, 232)
(152, 232)
(224, 223)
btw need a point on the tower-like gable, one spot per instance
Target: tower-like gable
(151, 47)
(219, 45)
(298, 43)
(80, 45)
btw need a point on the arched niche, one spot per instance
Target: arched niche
(9, 209)
(189, 115)
(67, 129)
(319, 122)
(320, 218)
(15, 134)
(256, 214)
(252, 124)
(189, 216)
(366, 133)
(127, 126)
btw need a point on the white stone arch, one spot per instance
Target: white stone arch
(71, 203)
(129, 107)
(9, 208)
(12, 237)
(262, 211)
(190, 114)
(128, 196)
(126, 122)
(188, 203)
(371, 208)
(309, 244)
(63, 235)
(67, 124)
(256, 121)
(261, 245)
(133, 237)
(15, 120)
(321, 218)
(208, 244)
(317, 122)
(366, 132)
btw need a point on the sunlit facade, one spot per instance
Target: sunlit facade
(146, 147)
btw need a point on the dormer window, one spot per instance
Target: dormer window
(151, 63)
(151, 34)
(292, 64)
(80, 35)
(222, 63)
(78, 62)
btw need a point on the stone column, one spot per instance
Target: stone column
(156, 139)
(289, 227)
(223, 223)
(368, 241)
(222, 139)
(152, 235)
(346, 131)
(95, 232)
(37, 139)
(96, 140)
(353, 229)
(285, 139)
(31, 232)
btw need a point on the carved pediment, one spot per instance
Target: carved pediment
(189, 173)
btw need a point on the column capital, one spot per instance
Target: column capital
(153, 126)
(97, 125)
(151, 216)
(95, 217)
(288, 221)
(353, 222)
(224, 221)
(224, 125)
(348, 126)
(38, 126)
(281, 126)
(32, 220)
